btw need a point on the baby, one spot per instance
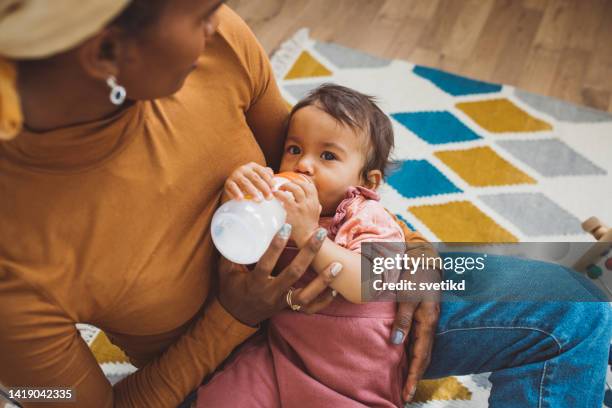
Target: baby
(340, 141)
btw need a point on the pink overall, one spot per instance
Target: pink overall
(340, 357)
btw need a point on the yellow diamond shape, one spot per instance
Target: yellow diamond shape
(461, 221)
(481, 166)
(307, 66)
(105, 351)
(445, 389)
(501, 115)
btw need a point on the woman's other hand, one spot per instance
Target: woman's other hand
(420, 321)
(253, 296)
(417, 319)
(250, 180)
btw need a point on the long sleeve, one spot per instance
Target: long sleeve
(167, 380)
(114, 231)
(40, 346)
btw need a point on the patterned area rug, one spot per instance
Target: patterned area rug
(478, 162)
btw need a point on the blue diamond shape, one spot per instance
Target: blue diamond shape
(402, 219)
(419, 178)
(454, 84)
(436, 127)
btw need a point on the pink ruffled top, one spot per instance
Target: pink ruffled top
(360, 217)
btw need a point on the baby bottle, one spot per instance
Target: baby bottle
(243, 229)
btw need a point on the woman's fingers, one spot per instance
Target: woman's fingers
(403, 322)
(227, 267)
(321, 302)
(266, 263)
(422, 337)
(300, 263)
(319, 284)
(419, 358)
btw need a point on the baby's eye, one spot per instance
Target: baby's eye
(328, 156)
(293, 149)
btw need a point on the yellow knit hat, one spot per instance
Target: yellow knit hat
(34, 29)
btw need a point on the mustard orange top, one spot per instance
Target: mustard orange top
(107, 223)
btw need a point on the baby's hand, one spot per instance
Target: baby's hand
(250, 179)
(303, 208)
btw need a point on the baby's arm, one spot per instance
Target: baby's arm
(348, 283)
(368, 222)
(371, 224)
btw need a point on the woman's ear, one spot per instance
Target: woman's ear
(374, 179)
(100, 55)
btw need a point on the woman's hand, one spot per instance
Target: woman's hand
(302, 206)
(417, 318)
(253, 296)
(251, 180)
(420, 320)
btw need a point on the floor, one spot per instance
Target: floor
(560, 48)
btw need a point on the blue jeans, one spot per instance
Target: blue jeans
(551, 353)
(541, 353)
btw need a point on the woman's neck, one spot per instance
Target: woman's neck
(56, 94)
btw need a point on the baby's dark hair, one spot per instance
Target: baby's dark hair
(359, 112)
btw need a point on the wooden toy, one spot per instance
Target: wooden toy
(599, 256)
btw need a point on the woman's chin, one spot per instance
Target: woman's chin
(181, 81)
(177, 87)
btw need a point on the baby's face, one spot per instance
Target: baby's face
(330, 153)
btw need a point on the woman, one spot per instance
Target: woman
(106, 203)
(109, 219)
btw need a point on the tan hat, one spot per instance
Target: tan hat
(32, 29)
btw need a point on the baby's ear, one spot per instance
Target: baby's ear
(374, 179)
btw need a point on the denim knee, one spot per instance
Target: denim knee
(590, 321)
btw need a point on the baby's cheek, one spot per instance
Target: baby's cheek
(283, 166)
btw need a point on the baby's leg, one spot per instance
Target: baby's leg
(247, 381)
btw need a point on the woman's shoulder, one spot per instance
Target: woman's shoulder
(236, 43)
(234, 29)
(233, 67)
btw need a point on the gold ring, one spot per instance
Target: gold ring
(295, 308)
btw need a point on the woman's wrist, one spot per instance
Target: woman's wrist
(232, 312)
(225, 311)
